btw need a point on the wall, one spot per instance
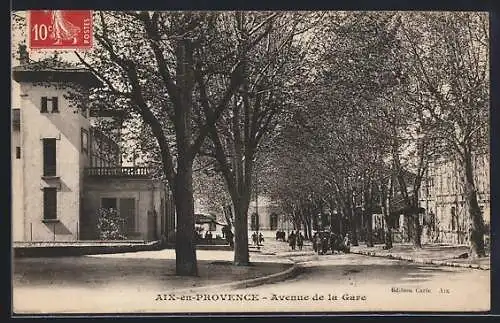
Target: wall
(444, 191)
(265, 209)
(65, 127)
(17, 194)
(147, 195)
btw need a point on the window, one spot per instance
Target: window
(16, 119)
(44, 104)
(18, 152)
(55, 104)
(108, 203)
(85, 141)
(49, 203)
(49, 157)
(43, 108)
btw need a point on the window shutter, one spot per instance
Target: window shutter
(49, 157)
(43, 108)
(55, 104)
(50, 203)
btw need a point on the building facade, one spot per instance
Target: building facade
(447, 218)
(267, 215)
(64, 169)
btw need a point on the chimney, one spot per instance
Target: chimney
(24, 56)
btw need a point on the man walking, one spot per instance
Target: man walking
(292, 240)
(300, 240)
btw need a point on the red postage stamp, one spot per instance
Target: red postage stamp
(60, 29)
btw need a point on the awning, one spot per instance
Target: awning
(204, 219)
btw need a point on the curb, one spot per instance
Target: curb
(422, 261)
(291, 272)
(75, 250)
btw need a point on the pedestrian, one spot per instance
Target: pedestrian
(347, 244)
(261, 238)
(229, 238)
(319, 245)
(254, 238)
(333, 242)
(300, 240)
(292, 240)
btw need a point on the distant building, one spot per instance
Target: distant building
(64, 169)
(267, 216)
(447, 217)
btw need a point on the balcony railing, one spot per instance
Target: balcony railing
(118, 171)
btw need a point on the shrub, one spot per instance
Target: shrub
(109, 225)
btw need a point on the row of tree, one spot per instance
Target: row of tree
(390, 94)
(207, 88)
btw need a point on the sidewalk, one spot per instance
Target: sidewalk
(441, 255)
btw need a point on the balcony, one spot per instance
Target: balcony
(118, 171)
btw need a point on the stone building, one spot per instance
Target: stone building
(270, 216)
(447, 218)
(64, 169)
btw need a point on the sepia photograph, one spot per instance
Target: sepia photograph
(250, 162)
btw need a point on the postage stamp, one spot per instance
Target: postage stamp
(60, 29)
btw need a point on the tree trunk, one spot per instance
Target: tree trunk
(477, 222)
(304, 225)
(369, 229)
(185, 249)
(354, 225)
(341, 223)
(387, 230)
(386, 209)
(417, 231)
(241, 254)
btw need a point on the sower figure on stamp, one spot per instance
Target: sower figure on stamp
(62, 28)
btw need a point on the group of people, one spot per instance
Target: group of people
(296, 240)
(257, 239)
(280, 235)
(324, 241)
